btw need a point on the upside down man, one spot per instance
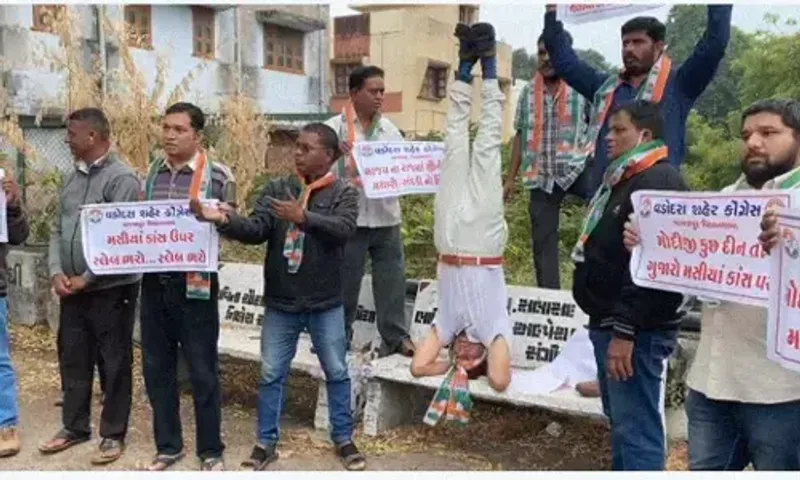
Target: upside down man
(470, 234)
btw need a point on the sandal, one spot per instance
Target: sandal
(164, 461)
(109, 451)
(212, 464)
(260, 458)
(63, 440)
(351, 458)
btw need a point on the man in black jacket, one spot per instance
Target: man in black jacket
(306, 221)
(633, 330)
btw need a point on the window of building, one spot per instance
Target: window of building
(434, 87)
(342, 73)
(466, 14)
(283, 49)
(203, 32)
(45, 16)
(138, 22)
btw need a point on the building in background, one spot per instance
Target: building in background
(281, 52)
(415, 46)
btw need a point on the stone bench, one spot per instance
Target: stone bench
(542, 322)
(394, 397)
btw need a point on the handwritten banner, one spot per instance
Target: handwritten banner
(392, 169)
(577, 13)
(142, 237)
(783, 325)
(704, 243)
(541, 321)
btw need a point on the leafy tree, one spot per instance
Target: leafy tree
(771, 67)
(595, 59)
(522, 64)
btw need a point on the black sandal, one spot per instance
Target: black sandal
(260, 457)
(351, 458)
(164, 461)
(70, 440)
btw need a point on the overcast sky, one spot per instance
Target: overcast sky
(520, 24)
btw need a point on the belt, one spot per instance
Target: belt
(460, 261)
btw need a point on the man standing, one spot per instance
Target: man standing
(18, 231)
(469, 230)
(648, 75)
(633, 330)
(306, 221)
(742, 407)
(378, 219)
(180, 308)
(97, 312)
(551, 120)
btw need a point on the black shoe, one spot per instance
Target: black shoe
(465, 47)
(484, 43)
(260, 457)
(350, 457)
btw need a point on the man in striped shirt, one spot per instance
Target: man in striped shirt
(181, 308)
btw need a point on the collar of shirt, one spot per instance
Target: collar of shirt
(379, 129)
(192, 164)
(84, 166)
(770, 184)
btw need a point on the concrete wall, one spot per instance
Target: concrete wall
(403, 41)
(32, 85)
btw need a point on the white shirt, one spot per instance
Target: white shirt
(731, 360)
(377, 212)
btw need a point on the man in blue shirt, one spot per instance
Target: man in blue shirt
(648, 74)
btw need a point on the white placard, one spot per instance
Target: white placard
(142, 237)
(705, 243)
(392, 169)
(783, 324)
(542, 321)
(3, 206)
(577, 13)
(241, 304)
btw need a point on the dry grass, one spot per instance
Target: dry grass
(516, 438)
(134, 107)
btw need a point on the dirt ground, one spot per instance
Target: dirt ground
(498, 437)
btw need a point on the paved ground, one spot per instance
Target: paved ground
(498, 438)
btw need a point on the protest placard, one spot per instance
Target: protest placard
(705, 243)
(392, 169)
(783, 325)
(542, 321)
(142, 237)
(577, 13)
(3, 218)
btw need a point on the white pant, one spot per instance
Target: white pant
(469, 214)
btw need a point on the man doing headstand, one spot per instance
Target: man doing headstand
(470, 231)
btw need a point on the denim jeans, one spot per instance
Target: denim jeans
(635, 407)
(727, 435)
(279, 334)
(8, 381)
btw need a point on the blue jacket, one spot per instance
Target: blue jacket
(684, 86)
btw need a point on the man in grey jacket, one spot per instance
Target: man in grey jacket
(97, 313)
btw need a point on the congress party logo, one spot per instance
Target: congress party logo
(774, 203)
(647, 207)
(95, 215)
(790, 244)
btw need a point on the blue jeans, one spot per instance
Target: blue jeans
(729, 435)
(635, 407)
(279, 334)
(8, 381)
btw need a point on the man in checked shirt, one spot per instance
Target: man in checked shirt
(550, 121)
